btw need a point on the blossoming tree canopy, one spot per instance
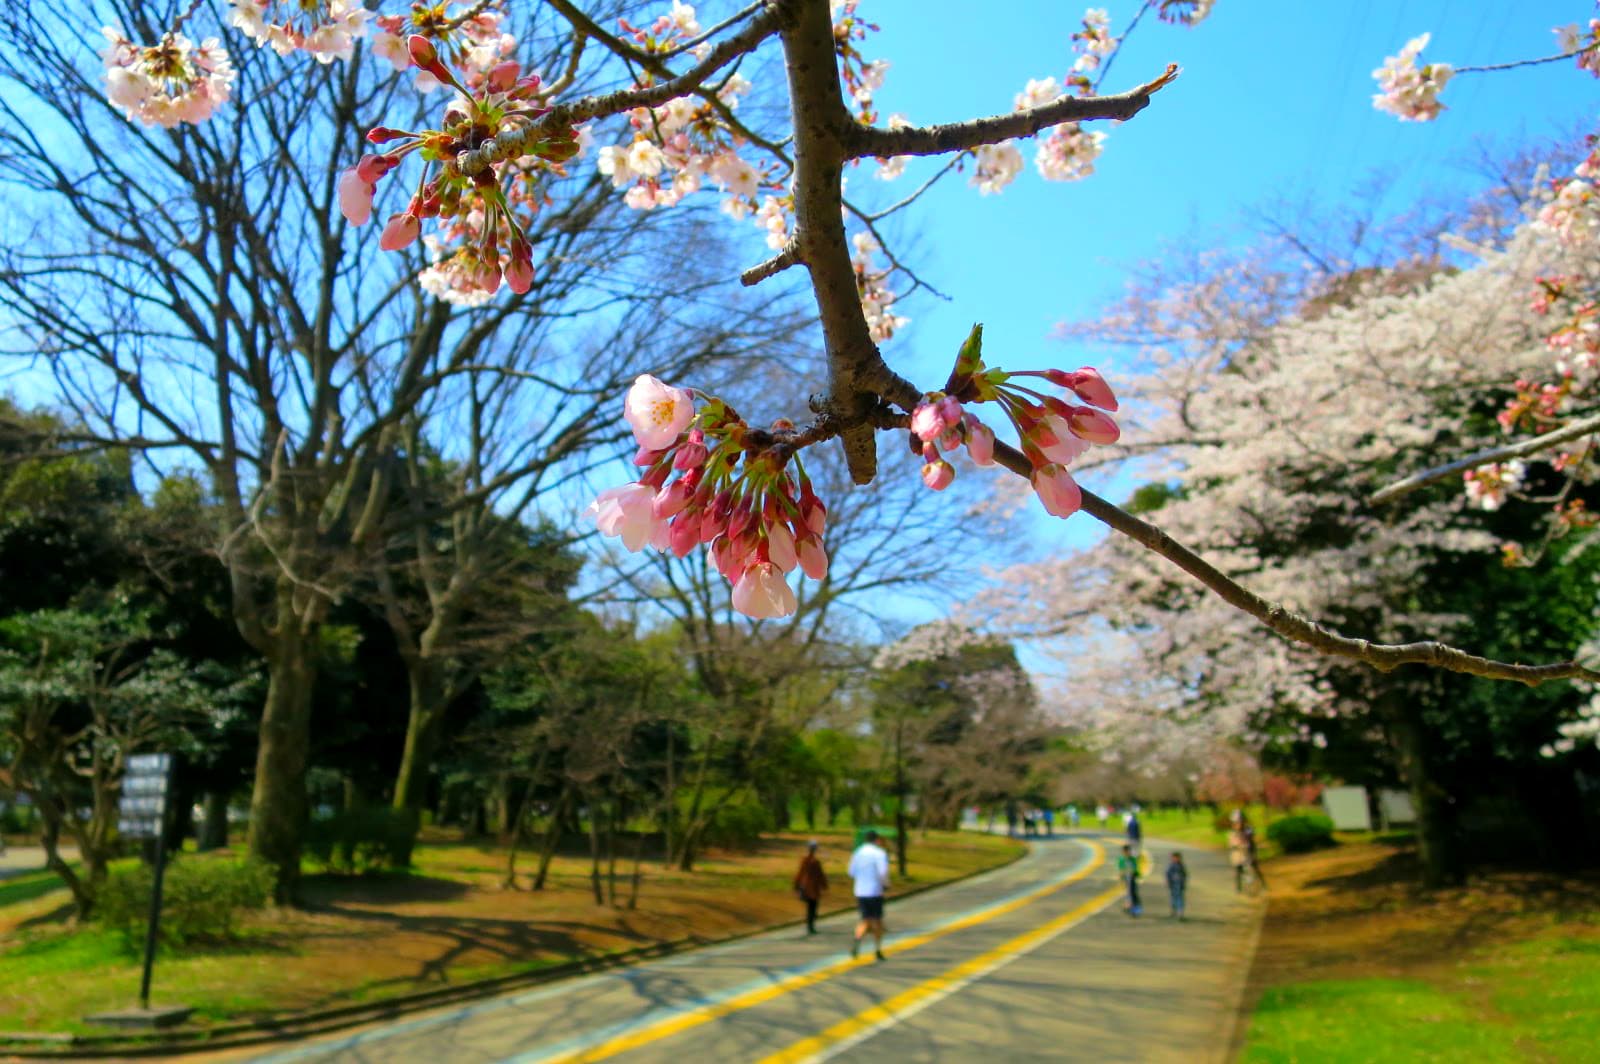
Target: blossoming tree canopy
(477, 166)
(1551, 408)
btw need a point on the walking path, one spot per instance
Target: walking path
(1032, 962)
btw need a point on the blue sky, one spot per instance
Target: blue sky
(1274, 100)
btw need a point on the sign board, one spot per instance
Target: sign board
(1394, 807)
(142, 809)
(1347, 808)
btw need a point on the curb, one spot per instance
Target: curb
(66, 1046)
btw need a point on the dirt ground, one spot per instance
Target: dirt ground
(1356, 911)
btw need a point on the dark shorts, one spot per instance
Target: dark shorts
(871, 908)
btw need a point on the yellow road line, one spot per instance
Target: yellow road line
(703, 1014)
(870, 1021)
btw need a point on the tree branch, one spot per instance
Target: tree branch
(1292, 626)
(958, 136)
(1581, 427)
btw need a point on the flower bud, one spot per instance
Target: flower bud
(401, 231)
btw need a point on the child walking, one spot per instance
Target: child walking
(1177, 880)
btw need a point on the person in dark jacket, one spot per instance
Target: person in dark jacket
(1177, 883)
(810, 883)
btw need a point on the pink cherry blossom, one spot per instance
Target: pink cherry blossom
(1410, 93)
(1093, 425)
(813, 558)
(355, 197)
(980, 442)
(761, 592)
(1055, 438)
(927, 421)
(938, 474)
(627, 512)
(781, 547)
(1088, 385)
(657, 412)
(1057, 490)
(167, 83)
(401, 231)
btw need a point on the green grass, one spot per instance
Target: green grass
(27, 887)
(1361, 1020)
(1533, 999)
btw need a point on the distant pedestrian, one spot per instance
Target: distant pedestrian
(811, 883)
(1252, 856)
(869, 870)
(1101, 813)
(1011, 820)
(1029, 827)
(1049, 822)
(1135, 831)
(1072, 815)
(1238, 850)
(1177, 883)
(1128, 868)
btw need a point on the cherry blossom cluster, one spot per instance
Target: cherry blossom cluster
(1053, 432)
(677, 147)
(327, 29)
(166, 83)
(1583, 43)
(1487, 485)
(1408, 91)
(877, 300)
(669, 31)
(474, 41)
(862, 77)
(709, 479)
(1573, 212)
(1093, 44)
(477, 209)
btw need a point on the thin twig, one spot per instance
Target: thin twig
(1581, 427)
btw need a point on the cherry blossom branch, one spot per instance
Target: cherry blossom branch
(957, 136)
(1581, 427)
(1526, 62)
(1291, 625)
(514, 144)
(899, 205)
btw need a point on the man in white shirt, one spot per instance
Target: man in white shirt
(869, 869)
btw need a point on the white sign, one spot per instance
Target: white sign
(1347, 808)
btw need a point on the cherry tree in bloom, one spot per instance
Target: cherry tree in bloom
(167, 83)
(502, 129)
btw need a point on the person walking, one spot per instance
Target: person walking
(1128, 867)
(1238, 851)
(1049, 822)
(869, 871)
(1135, 831)
(1072, 815)
(1101, 812)
(1177, 883)
(810, 883)
(1252, 856)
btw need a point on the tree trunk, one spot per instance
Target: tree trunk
(214, 825)
(1438, 843)
(426, 714)
(594, 852)
(669, 807)
(611, 856)
(638, 870)
(278, 802)
(50, 839)
(552, 836)
(900, 800)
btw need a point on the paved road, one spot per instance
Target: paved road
(1033, 962)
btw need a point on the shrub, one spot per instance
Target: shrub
(1301, 834)
(200, 899)
(364, 839)
(738, 824)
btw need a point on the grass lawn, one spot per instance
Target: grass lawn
(1358, 965)
(1197, 827)
(361, 938)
